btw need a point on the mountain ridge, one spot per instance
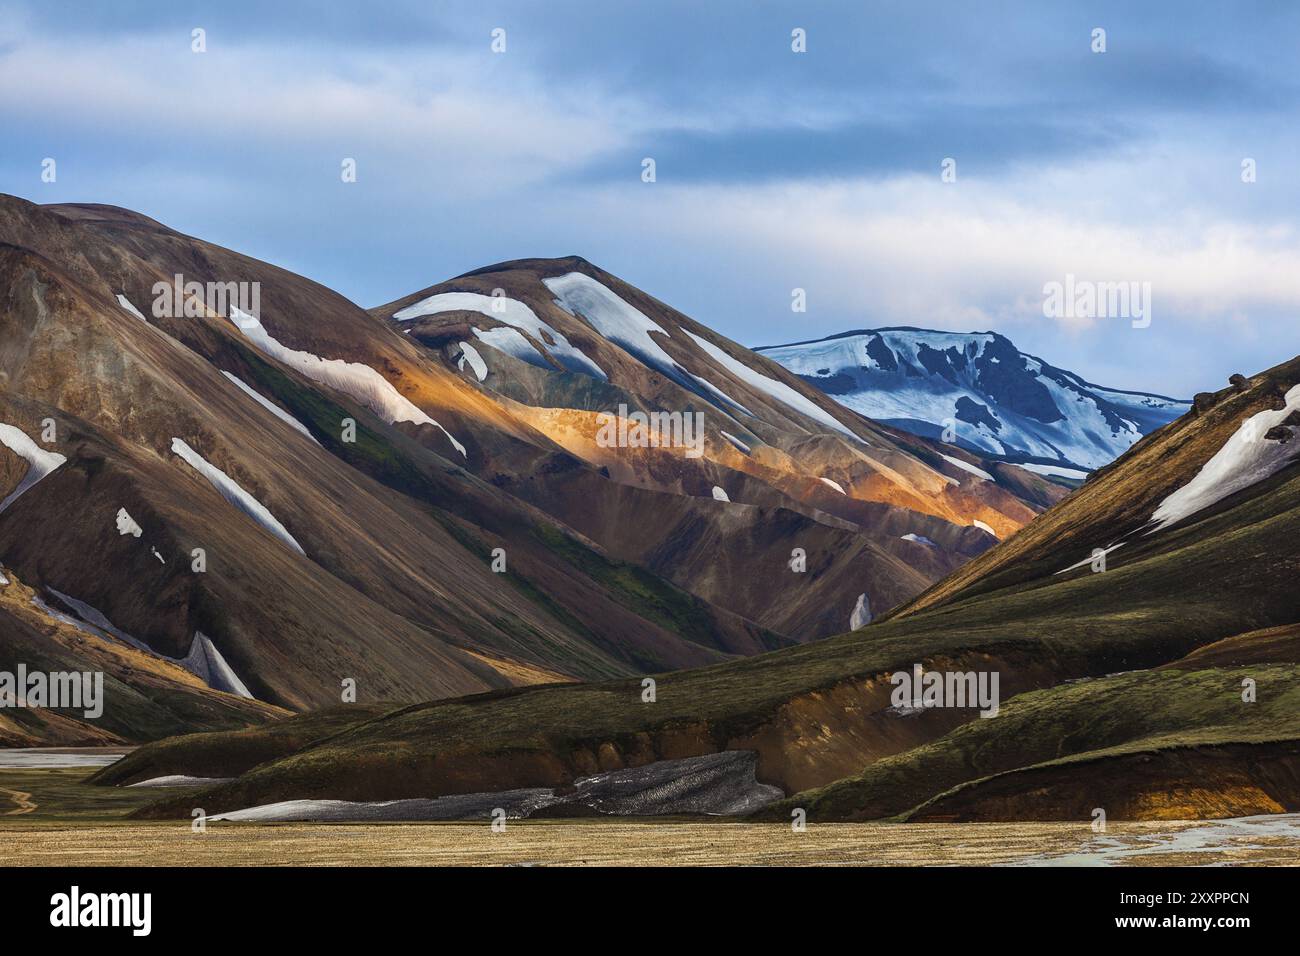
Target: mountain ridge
(916, 328)
(980, 389)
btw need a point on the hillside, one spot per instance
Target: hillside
(1200, 591)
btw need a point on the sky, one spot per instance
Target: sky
(775, 170)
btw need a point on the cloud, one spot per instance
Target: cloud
(956, 253)
(969, 256)
(455, 119)
(775, 170)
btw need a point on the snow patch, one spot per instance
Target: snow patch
(181, 780)
(236, 495)
(629, 328)
(93, 619)
(834, 484)
(510, 312)
(269, 405)
(67, 619)
(861, 616)
(613, 318)
(125, 303)
(512, 343)
(780, 391)
(154, 552)
(967, 466)
(470, 354)
(717, 784)
(720, 494)
(1247, 458)
(360, 381)
(919, 539)
(720, 395)
(126, 524)
(1054, 470)
(39, 461)
(983, 527)
(739, 445)
(205, 662)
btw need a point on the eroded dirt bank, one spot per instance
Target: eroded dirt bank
(1209, 782)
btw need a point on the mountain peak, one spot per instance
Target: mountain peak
(566, 263)
(980, 388)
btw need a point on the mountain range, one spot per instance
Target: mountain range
(225, 478)
(989, 397)
(428, 553)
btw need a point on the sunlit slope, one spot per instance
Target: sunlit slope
(564, 345)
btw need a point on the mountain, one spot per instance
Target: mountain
(561, 343)
(1144, 633)
(993, 398)
(250, 480)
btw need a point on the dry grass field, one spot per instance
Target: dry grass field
(620, 843)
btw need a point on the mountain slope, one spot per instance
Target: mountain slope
(149, 696)
(821, 716)
(996, 399)
(561, 343)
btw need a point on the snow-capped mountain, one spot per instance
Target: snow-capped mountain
(988, 395)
